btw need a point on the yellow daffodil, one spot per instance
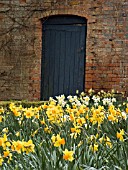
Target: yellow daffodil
(106, 140)
(94, 147)
(127, 110)
(112, 118)
(68, 155)
(6, 153)
(72, 117)
(76, 129)
(10, 157)
(81, 121)
(97, 115)
(1, 110)
(12, 106)
(54, 113)
(18, 134)
(1, 118)
(44, 106)
(4, 142)
(17, 146)
(1, 141)
(1, 160)
(47, 129)
(120, 135)
(29, 113)
(16, 112)
(57, 140)
(28, 147)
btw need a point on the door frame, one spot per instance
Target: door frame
(78, 20)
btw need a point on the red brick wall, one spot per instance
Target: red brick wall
(20, 44)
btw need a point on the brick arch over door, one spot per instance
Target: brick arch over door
(63, 55)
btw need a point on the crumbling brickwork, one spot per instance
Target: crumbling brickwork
(21, 44)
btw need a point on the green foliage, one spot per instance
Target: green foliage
(77, 120)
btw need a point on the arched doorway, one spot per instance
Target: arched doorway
(63, 55)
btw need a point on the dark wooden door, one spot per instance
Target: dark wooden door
(63, 56)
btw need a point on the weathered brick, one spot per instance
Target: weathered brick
(106, 64)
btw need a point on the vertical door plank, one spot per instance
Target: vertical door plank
(81, 58)
(71, 61)
(76, 61)
(67, 63)
(45, 65)
(56, 63)
(51, 46)
(62, 62)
